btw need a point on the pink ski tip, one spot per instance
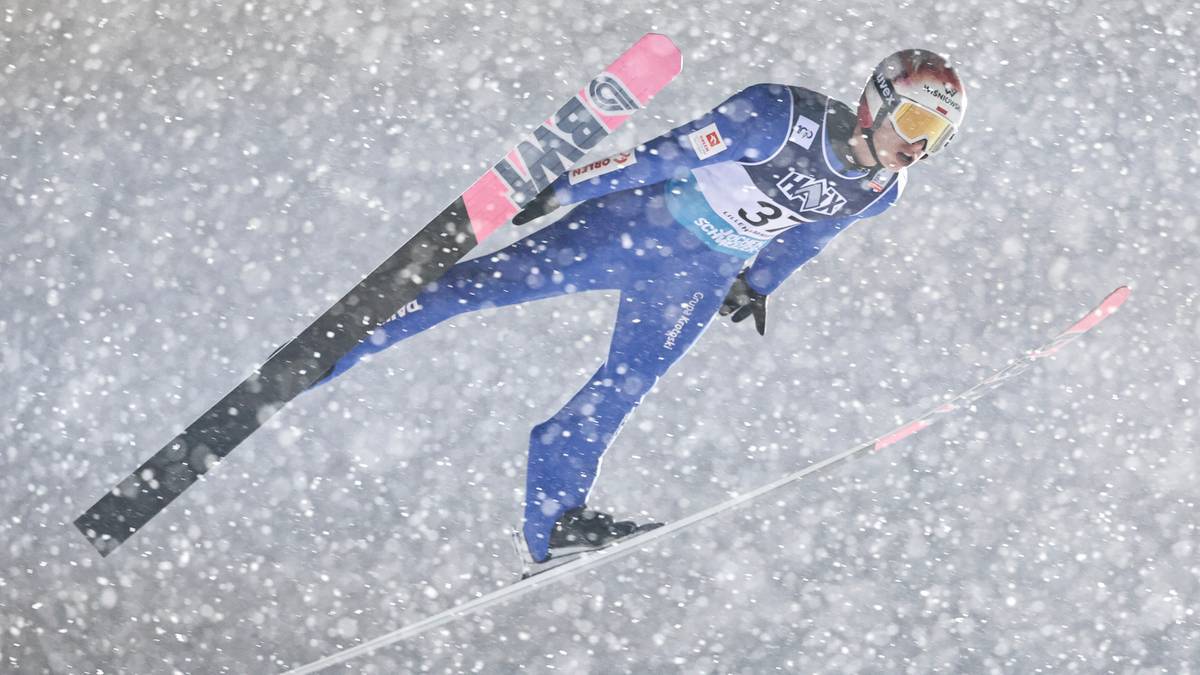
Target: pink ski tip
(900, 434)
(647, 66)
(1106, 307)
(663, 49)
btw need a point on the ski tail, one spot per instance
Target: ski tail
(642, 540)
(605, 103)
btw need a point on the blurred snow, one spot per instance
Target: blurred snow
(184, 185)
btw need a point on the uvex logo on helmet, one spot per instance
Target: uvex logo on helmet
(885, 88)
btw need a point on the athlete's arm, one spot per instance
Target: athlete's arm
(791, 249)
(750, 126)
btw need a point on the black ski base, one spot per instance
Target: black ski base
(293, 368)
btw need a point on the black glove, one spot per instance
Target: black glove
(537, 207)
(742, 301)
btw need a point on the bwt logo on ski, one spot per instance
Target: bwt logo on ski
(567, 135)
(611, 96)
(684, 319)
(814, 195)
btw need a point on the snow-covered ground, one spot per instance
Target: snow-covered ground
(184, 185)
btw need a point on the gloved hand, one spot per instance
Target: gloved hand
(537, 207)
(742, 301)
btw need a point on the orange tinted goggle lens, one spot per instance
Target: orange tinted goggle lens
(914, 123)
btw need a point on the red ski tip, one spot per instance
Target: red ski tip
(1102, 311)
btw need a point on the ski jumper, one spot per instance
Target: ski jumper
(669, 225)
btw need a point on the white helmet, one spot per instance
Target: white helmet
(920, 93)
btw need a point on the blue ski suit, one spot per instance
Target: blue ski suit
(670, 225)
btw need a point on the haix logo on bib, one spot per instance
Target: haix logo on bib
(707, 141)
(815, 195)
(804, 132)
(601, 166)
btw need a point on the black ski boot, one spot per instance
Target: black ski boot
(578, 531)
(582, 529)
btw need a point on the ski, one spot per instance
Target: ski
(605, 103)
(623, 548)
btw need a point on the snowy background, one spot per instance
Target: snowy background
(184, 185)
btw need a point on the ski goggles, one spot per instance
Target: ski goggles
(914, 122)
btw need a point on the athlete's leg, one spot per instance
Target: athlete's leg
(657, 322)
(574, 254)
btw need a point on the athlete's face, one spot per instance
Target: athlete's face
(894, 152)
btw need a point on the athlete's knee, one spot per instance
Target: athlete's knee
(570, 430)
(629, 383)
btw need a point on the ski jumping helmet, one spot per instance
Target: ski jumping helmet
(920, 93)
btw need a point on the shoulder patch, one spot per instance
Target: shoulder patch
(804, 131)
(707, 141)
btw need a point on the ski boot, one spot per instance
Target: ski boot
(578, 531)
